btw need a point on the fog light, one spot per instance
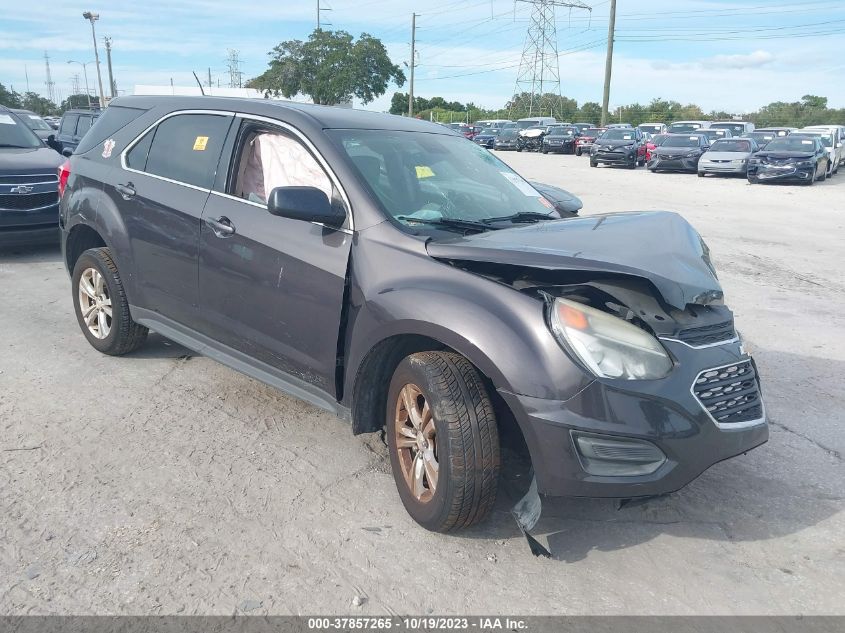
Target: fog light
(616, 457)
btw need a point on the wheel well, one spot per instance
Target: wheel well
(373, 381)
(81, 238)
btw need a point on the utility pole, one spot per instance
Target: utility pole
(112, 88)
(608, 65)
(539, 69)
(413, 63)
(319, 14)
(93, 17)
(209, 76)
(51, 85)
(26, 74)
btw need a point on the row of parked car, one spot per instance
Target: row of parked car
(724, 147)
(61, 133)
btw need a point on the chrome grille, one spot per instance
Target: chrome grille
(730, 394)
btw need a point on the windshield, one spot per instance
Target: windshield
(508, 133)
(762, 136)
(792, 144)
(652, 129)
(34, 121)
(681, 141)
(561, 131)
(490, 131)
(15, 134)
(618, 134)
(657, 139)
(728, 145)
(525, 124)
(735, 128)
(684, 127)
(826, 139)
(593, 131)
(433, 177)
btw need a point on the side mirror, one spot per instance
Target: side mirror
(304, 203)
(67, 152)
(51, 138)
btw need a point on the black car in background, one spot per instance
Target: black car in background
(413, 284)
(29, 199)
(560, 139)
(486, 137)
(507, 139)
(679, 152)
(73, 126)
(763, 137)
(35, 123)
(793, 158)
(624, 146)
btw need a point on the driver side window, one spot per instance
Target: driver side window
(270, 159)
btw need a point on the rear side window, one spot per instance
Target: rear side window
(69, 124)
(113, 119)
(186, 148)
(83, 126)
(136, 158)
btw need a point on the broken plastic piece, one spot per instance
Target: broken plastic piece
(527, 512)
(637, 501)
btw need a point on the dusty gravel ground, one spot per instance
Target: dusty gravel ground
(164, 483)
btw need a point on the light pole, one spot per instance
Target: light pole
(93, 17)
(85, 72)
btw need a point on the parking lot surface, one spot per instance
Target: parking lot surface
(164, 483)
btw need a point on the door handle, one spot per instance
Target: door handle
(126, 191)
(222, 226)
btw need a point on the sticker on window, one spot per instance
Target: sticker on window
(627, 137)
(693, 138)
(806, 142)
(34, 117)
(424, 171)
(5, 119)
(520, 184)
(200, 143)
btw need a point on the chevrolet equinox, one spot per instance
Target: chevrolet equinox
(402, 277)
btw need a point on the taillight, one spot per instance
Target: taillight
(63, 173)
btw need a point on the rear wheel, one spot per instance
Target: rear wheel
(443, 441)
(101, 306)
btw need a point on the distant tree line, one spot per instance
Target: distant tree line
(809, 110)
(42, 105)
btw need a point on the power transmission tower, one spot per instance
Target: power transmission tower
(51, 85)
(74, 81)
(539, 69)
(112, 87)
(233, 63)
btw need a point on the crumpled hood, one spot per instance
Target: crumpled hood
(659, 246)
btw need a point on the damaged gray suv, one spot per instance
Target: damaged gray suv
(403, 278)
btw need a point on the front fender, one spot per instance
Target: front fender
(501, 331)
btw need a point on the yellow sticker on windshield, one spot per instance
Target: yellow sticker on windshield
(424, 171)
(200, 143)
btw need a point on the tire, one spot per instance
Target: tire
(114, 335)
(518, 149)
(465, 446)
(701, 174)
(577, 151)
(593, 163)
(545, 151)
(823, 177)
(752, 180)
(640, 163)
(632, 164)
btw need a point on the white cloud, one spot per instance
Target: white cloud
(739, 62)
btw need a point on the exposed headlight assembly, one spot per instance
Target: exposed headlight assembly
(607, 345)
(691, 155)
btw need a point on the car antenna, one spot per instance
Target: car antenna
(199, 83)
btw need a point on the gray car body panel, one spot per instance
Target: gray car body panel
(484, 296)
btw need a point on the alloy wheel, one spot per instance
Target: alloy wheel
(95, 303)
(416, 442)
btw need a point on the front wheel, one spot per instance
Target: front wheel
(443, 441)
(577, 151)
(101, 306)
(593, 163)
(701, 174)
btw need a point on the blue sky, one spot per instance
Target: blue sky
(722, 55)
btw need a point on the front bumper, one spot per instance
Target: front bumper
(722, 168)
(664, 412)
(781, 173)
(613, 158)
(565, 148)
(489, 143)
(505, 146)
(680, 163)
(29, 227)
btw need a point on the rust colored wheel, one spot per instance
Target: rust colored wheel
(416, 443)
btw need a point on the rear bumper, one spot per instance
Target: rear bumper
(664, 413)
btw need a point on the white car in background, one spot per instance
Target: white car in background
(831, 138)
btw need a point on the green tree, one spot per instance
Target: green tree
(9, 98)
(38, 104)
(330, 68)
(76, 101)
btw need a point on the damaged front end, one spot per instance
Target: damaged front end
(634, 302)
